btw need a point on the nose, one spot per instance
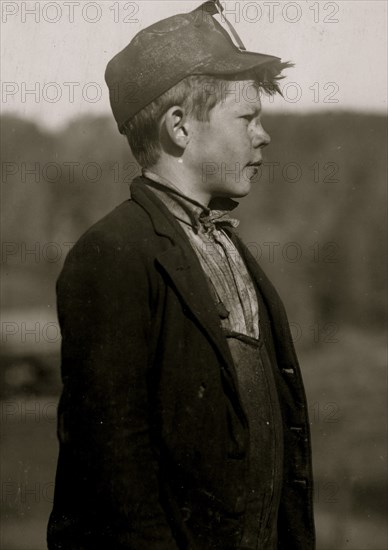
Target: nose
(261, 138)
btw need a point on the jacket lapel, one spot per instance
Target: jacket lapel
(286, 354)
(184, 270)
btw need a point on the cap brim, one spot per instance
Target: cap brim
(237, 62)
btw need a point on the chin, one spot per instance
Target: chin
(242, 191)
(233, 190)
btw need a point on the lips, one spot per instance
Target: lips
(253, 168)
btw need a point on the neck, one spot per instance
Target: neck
(178, 175)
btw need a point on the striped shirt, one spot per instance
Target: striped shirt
(228, 278)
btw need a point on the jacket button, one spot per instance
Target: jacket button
(301, 482)
(288, 370)
(296, 429)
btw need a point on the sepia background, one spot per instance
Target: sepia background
(315, 220)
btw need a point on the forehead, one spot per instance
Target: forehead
(240, 96)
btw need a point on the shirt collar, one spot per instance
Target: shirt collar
(183, 207)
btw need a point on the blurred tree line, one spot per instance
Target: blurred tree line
(315, 217)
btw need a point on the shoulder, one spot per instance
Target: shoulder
(125, 228)
(126, 223)
(123, 236)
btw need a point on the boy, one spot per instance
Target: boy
(183, 421)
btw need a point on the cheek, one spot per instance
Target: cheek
(204, 142)
(237, 146)
(228, 143)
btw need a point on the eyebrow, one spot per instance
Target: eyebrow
(251, 110)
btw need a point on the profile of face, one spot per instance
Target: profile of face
(226, 151)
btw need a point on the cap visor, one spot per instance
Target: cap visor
(235, 63)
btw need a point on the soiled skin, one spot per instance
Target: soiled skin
(212, 157)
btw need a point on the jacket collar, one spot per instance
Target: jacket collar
(182, 266)
(164, 224)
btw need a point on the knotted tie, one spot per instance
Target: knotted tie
(216, 219)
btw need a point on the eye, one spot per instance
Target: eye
(247, 117)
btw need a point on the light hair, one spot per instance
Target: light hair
(198, 95)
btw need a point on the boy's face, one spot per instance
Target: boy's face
(223, 149)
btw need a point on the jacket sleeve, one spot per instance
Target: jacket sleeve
(107, 489)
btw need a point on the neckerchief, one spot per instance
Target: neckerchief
(200, 217)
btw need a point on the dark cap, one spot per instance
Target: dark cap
(165, 53)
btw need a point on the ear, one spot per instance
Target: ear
(177, 126)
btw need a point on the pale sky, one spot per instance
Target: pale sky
(59, 50)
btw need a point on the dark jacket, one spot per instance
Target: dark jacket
(153, 437)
